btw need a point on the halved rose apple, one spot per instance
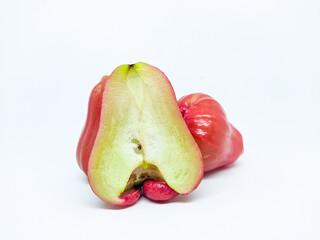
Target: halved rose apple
(134, 133)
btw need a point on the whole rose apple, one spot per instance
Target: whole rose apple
(220, 143)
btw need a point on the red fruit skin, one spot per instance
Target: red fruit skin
(130, 197)
(220, 143)
(158, 191)
(91, 127)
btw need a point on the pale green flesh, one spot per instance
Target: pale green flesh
(139, 107)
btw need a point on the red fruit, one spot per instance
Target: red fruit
(220, 143)
(158, 191)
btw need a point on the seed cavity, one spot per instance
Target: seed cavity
(143, 173)
(137, 147)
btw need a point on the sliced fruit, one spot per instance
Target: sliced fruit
(141, 135)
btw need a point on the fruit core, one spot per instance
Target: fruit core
(145, 171)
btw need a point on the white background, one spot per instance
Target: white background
(259, 59)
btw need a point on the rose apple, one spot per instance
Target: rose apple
(219, 141)
(134, 133)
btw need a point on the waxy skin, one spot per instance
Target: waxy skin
(219, 141)
(91, 127)
(158, 191)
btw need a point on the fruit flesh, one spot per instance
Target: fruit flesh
(141, 125)
(219, 141)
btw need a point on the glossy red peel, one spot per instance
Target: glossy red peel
(220, 142)
(158, 191)
(130, 197)
(91, 128)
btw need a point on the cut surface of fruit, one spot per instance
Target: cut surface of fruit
(141, 136)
